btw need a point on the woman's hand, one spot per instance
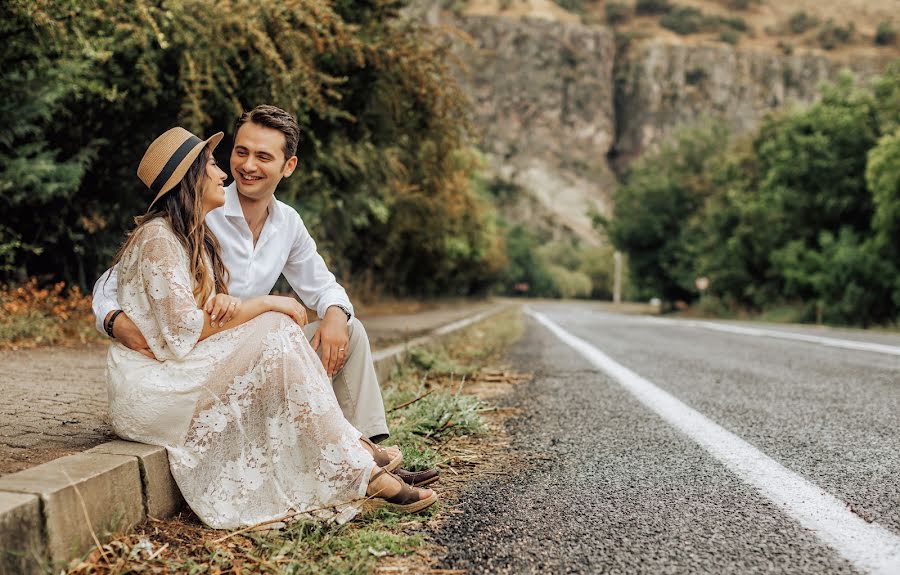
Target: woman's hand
(222, 308)
(289, 306)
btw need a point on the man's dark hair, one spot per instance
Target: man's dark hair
(275, 118)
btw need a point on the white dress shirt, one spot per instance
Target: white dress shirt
(284, 247)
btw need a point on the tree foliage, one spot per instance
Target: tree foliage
(805, 210)
(653, 209)
(385, 169)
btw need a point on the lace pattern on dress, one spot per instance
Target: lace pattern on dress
(265, 436)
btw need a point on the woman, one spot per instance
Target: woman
(246, 411)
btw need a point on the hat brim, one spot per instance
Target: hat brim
(182, 168)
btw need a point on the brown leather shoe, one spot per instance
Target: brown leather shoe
(382, 456)
(406, 500)
(418, 478)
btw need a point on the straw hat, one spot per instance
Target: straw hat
(168, 158)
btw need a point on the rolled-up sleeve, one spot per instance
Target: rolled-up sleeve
(308, 275)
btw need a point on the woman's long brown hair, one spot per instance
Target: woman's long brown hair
(182, 208)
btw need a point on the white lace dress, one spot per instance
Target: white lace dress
(248, 416)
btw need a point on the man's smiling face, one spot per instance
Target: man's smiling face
(258, 162)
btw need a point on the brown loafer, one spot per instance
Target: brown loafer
(418, 478)
(404, 501)
(382, 457)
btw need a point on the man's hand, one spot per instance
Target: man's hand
(131, 337)
(333, 336)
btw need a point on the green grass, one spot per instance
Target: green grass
(31, 325)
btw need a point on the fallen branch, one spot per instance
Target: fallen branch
(408, 403)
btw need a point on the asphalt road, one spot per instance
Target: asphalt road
(625, 489)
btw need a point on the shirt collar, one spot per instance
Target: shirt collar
(233, 206)
(233, 209)
(232, 203)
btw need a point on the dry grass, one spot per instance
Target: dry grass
(454, 425)
(33, 316)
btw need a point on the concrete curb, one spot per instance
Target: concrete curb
(50, 513)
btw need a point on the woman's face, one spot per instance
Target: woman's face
(213, 192)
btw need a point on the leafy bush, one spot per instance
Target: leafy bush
(526, 271)
(32, 315)
(652, 6)
(684, 20)
(786, 47)
(569, 283)
(729, 37)
(556, 268)
(844, 279)
(598, 264)
(885, 35)
(832, 35)
(800, 22)
(617, 12)
(886, 90)
(576, 6)
(735, 23)
(883, 181)
(741, 4)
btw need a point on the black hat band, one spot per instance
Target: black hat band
(179, 155)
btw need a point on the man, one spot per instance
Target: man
(262, 238)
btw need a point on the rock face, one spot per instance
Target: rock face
(544, 105)
(662, 86)
(561, 110)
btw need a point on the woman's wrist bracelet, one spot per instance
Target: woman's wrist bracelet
(109, 324)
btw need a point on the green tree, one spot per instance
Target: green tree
(812, 166)
(883, 179)
(385, 163)
(803, 211)
(525, 266)
(660, 194)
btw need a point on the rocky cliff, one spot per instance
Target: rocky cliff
(562, 107)
(662, 86)
(544, 103)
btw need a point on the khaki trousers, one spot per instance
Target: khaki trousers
(356, 385)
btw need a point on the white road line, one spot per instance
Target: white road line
(760, 332)
(868, 546)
